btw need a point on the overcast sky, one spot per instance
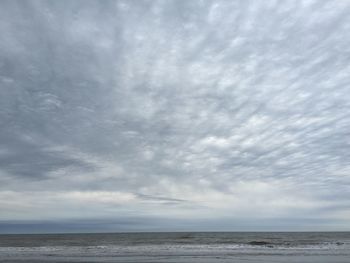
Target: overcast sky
(174, 115)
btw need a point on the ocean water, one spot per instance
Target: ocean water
(330, 247)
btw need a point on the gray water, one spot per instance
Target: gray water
(330, 247)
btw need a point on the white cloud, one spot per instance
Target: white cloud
(174, 108)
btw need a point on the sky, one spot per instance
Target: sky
(174, 115)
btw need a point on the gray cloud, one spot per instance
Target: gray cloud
(178, 108)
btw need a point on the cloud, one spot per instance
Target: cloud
(175, 109)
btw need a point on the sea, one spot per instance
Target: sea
(240, 247)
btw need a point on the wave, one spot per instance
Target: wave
(251, 245)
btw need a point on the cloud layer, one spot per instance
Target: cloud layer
(189, 110)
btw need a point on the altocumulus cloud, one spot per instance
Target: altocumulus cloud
(188, 114)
